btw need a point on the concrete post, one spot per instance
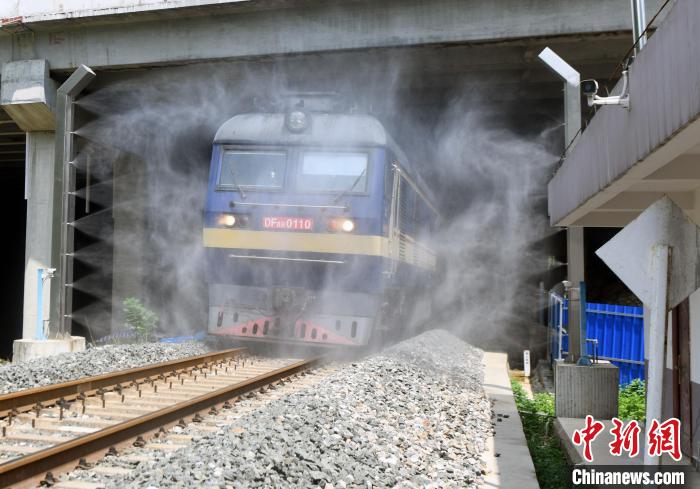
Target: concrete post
(656, 339)
(575, 275)
(39, 193)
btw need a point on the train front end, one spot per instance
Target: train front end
(295, 228)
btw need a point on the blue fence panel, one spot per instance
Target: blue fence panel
(620, 334)
(565, 336)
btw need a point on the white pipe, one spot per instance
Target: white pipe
(657, 335)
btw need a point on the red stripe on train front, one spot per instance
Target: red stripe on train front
(255, 328)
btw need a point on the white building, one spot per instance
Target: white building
(625, 160)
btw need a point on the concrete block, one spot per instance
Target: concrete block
(28, 94)
(582, 390)
(77, 343)
(28, 349)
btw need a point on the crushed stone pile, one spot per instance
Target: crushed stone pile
(93, 361)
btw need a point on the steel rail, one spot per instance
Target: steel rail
(14, 401)
(35, 464)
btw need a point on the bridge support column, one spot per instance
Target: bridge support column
(39, 195)
(28, 95)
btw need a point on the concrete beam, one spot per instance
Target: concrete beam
(638, 201)
(183, 38)
(28, 94)
(684, 167)
(600, 219)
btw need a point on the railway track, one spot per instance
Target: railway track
(52, 429)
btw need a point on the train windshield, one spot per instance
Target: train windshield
(262, 170)
(325, 171)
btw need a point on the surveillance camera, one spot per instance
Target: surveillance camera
(589, 88)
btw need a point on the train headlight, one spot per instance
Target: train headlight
(233, 220)
(228, 220)
(347, 225)
(341, 225)
(297, 120)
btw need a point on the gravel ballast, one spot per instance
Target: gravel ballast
(413, 416)
(93, 361)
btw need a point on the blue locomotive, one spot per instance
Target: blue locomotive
(315, 230)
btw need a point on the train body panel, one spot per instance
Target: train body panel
(312, 236)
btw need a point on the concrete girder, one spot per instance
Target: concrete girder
(285, 31)
(27, 94)
(684, 167)
(602, 219)
(626, 206)
(638, 201)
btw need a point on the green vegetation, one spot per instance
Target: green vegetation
(537, 416)
(632, 401)
(139, 319)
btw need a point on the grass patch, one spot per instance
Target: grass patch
(537, 416)
(632, 401)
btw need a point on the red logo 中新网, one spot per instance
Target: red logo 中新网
(664, 438)
(586, 436)
(626, 439)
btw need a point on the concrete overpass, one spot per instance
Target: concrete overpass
(124, 33)
(440, 47)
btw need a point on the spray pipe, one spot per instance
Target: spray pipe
(43, 274)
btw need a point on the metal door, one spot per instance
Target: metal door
(681, 372)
